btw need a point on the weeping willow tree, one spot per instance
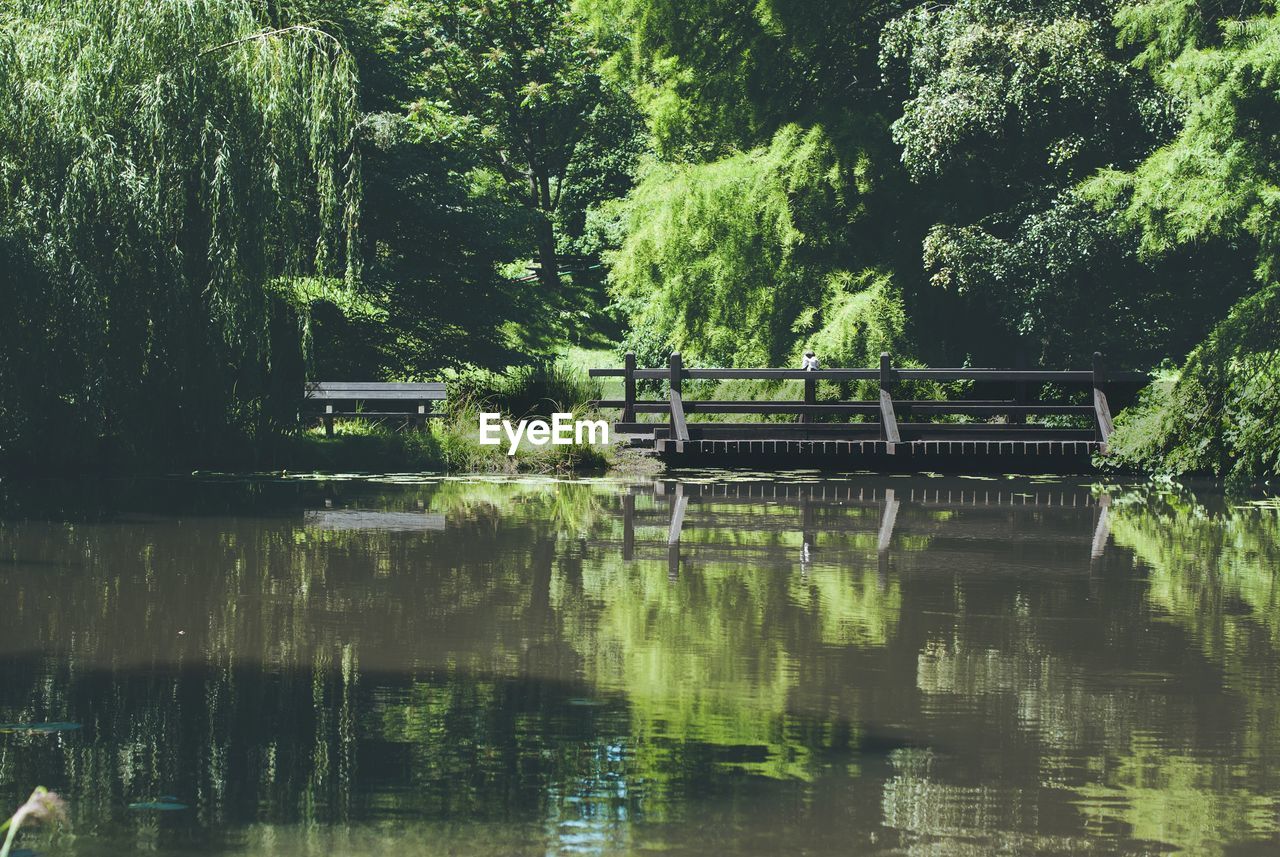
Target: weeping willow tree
(164, 165)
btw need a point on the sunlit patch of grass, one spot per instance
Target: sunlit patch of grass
(365, 446)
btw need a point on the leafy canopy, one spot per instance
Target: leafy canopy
(516, 80)
(734, 262)
(1216, 179)
(161, 164)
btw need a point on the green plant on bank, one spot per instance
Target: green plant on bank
(363, 446)
(458, 436)
(451, 443)
(1219, 414)
(542, 389)
(43, 805)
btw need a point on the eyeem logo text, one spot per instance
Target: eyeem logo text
(563, 430)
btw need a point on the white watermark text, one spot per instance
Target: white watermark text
(563, 430)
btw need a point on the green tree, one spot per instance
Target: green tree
(161, 168)
(1213, 184)
(739, 261)
(1216, 178)
(767, 221)
(1219, 413)
(516, 83)
(1007, 106)
(717, 76)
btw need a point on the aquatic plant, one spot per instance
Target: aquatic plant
(43, 805)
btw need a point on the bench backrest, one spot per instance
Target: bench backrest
(376, 391)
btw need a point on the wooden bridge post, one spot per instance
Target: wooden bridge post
(1020, 391)
(810, 397)
(629, 388)
(888, 419)
(1102, 410)
(675, 367)
(679, 431)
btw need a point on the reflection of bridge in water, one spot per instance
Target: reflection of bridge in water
(946, 509)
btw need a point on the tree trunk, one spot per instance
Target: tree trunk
(548, 262)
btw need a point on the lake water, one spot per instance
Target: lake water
(755, 665)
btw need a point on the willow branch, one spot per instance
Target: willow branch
(268, 34)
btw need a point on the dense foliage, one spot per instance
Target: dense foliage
(1217, 414)
(161, 166)
(515, 82)
(733, 262)
(1007, 107)
(202, 200)
(1212, 185)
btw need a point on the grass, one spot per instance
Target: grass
(450, 444)
(579, 360)
(357, 445)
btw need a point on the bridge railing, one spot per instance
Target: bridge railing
(886, 408)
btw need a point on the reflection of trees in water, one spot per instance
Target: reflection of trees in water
(947, 818)
(718, 655)
(514, 668)
(1135, 737)
(271, 669)
(1212, 568)
(1212, 571)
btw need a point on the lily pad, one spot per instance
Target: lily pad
(42, 728)
(165, 803)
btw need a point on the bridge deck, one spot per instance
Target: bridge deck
(1006, 456)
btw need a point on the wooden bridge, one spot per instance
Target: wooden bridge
(889, 433)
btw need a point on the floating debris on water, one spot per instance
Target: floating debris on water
(39, 728)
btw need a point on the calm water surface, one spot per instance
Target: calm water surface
(719, 665)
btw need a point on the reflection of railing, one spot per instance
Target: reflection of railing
(809, 499)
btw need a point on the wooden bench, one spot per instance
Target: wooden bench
(411, 400)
